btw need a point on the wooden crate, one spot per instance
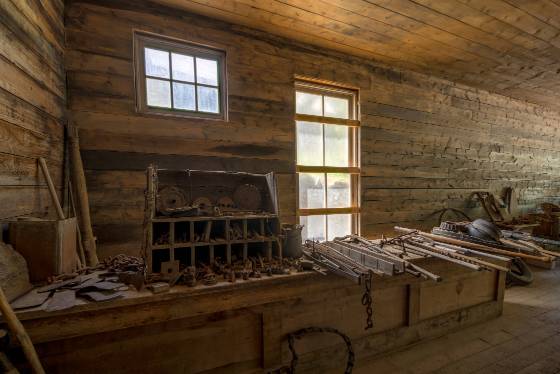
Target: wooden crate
(48, 246)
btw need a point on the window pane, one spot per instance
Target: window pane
(206, 71)
(336, 145)
(313, 228)
(307, 103)
(208, 99)
(339, 225)
(309, 143)
(158, 93)
(311, 190)
(336, 107)
(157, 63)
(183, 96)
(338, 190)
(182, 67)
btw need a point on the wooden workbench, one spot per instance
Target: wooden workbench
(242, 327)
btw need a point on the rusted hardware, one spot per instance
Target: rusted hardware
(159, 287)
(189, 275)
(314, 330)
(367, 301)
(209, 279)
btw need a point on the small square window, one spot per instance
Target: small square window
(176, 78)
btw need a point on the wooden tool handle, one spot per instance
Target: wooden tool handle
(52, 190)
(444, 239)
(17, 328)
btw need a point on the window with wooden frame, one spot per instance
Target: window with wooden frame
(327, 137)
(179, 78)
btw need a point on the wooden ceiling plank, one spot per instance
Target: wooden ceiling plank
(471, 70)
(439, 36)
(250, 16)
(413, 10)
(384, 43)
(399, 35)
(511, 44)
(517, 18)
(410, 25)
(542, 9)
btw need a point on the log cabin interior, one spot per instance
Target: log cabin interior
(280, 186)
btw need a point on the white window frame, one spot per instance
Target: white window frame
(309, 86)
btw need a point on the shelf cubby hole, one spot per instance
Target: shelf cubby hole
(159, 256)
(254, 229)
(202, 255)
(220, 253)
(199, 229)
(236, 252)
(218, 231)
(183, 255)
(182, 232)
(236, 229)
(160, 233)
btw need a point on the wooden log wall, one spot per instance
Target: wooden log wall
(426, 143)
(32, 104)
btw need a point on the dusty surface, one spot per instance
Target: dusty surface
(525, 339)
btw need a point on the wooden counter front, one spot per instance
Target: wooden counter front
(242, 327)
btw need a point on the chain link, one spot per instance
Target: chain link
(367, 301)
(312, 330)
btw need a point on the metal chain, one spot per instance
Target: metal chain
(367, 301)
(308, 330)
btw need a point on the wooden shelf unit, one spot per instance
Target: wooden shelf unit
(187, 239)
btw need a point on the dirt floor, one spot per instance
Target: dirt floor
(525, 339)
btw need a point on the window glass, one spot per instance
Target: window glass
(311, 190)
(309, 143)
(179, 76)
(327, 168)
(206, 71)
(208, 100)
(339, 225)
(157, 63)
(183, 96)
(336, 107)
(338, 190)
(183, 67)
(307, 103)
(337, 144)
(313, 228)
(158, 93)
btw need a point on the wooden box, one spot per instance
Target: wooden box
(49, 246)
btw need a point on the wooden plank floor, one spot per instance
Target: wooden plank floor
(525, 339)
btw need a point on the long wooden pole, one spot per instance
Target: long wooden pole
(481, 247)
(54, 196)
(17, 328)
(52, 190)
(79, 183)
(81, 252)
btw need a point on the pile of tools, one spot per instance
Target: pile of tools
(355, 257)
(358, 259)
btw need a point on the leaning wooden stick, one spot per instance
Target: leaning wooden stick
(79, 183)
(476, 246)
(54, 196)
(17, 328)
(81, 252)
(52, 190)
